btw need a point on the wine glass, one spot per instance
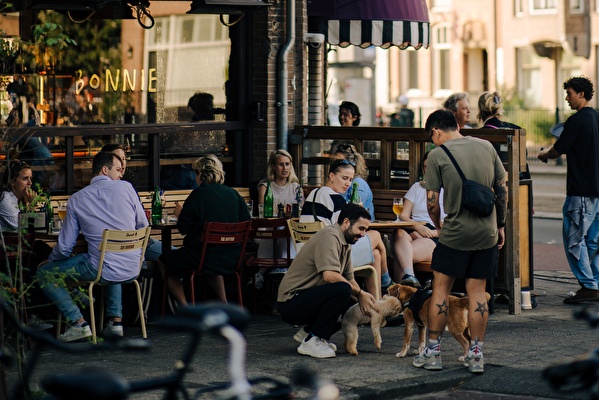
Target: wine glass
(397, 207)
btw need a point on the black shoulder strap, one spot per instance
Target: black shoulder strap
(455, 164)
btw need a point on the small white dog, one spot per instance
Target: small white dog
(389, 306)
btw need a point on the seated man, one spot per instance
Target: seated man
(317, 289)
(107, 203)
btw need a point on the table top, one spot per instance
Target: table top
(392, 224)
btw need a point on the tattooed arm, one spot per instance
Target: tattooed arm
(434, 208)
(501, 206)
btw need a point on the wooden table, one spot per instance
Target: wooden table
(166, 234)
(389, 226)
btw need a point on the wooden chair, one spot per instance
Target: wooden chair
(269, 229)
(301, 232)
(218, 234)
(116, 241)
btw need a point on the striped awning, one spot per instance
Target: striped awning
(364, 23)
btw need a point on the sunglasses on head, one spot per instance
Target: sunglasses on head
(344, 162)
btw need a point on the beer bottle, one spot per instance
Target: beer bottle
(355, 195)
(268, 201)
(156, 206)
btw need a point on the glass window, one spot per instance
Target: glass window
(543, 5)
(441, 3)
(576, 6)
(518, 7)
(441, 57)
(177, 82)
(529, 76)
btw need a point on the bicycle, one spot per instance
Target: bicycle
(220, 319)
(581, 373)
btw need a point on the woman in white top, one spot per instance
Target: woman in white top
(286, 189)
(418, 245)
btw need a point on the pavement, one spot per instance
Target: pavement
(516, 349)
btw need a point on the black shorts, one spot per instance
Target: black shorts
(476, 264)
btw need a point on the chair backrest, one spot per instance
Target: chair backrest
(272, 229)
(226, 233)
(301, 232)
(119, 241)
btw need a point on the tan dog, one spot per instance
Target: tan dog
(457, 319)
(387, 307)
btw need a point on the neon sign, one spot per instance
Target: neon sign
(114, 83)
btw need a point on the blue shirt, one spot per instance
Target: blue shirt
(104, 204)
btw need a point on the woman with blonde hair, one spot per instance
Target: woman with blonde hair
(286, 189)
(490, 109)
(211, 201)
(281, 177)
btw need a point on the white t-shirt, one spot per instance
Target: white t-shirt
(417, 195)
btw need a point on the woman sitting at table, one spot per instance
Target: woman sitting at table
(285, 187)
(211, 201)
(349, 152)
(418, 244)
(325, 203)
(16, 194)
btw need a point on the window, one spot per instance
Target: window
(543, 6)
(518, 8)
(529, 78)
(441, 44)
(576, 6)
(441, 4)
(175, 44)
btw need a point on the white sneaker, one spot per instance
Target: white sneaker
(113, 329)
(75, 332)
(301, 335)
(317, 348)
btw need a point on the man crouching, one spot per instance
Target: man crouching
(318, 287)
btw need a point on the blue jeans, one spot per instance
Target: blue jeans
(77, 268)
(580, 236)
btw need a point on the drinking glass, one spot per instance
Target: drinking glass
(62, 211)
(397, 207)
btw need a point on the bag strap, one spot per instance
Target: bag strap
(455, 164)
(314, 206)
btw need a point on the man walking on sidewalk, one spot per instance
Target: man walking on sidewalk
(580, 142)
(468, 242)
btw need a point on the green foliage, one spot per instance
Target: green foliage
(51, 35)
(97, 43)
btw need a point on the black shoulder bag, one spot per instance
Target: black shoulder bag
(476, 198)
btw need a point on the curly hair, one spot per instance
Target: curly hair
(209, 169)
(452, 101)
(350, 153)
(580, 84)
(489, 105)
